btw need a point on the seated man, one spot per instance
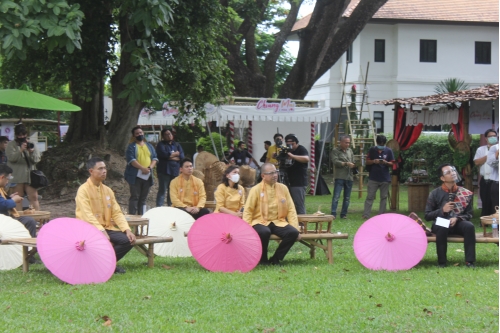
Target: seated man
(8, 203)
(188, 192)
(267, 209)
(96, 204)
(453, 203)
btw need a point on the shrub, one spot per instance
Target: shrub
(206, 142)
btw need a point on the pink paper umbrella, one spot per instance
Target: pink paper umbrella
(390, 242)
(76, 251)
(224, 243)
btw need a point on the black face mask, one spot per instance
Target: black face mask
(139, 137)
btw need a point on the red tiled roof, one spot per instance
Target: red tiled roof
(485, 11)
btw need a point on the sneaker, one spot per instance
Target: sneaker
(366, 217)
(119, 270)
(470, 265)
(344, 217)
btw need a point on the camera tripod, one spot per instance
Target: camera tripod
(283, 177)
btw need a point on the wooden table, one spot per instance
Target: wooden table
(318, 221)
(138, 224)
(40, 216)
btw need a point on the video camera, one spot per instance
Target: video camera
(282, 154)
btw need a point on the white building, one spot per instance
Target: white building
(411, 45)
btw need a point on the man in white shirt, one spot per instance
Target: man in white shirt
(485, 171)
(492, 161)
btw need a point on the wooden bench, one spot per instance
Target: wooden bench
(480, 238)
(140, 245)
(312, 240)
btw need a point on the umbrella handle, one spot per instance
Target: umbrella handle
(80, 246)
(390, 237)
(226, 238)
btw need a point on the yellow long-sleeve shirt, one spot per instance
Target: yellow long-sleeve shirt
(175, 187)
(84, 208)
(252, 215)
(270, 152)
(229, 198)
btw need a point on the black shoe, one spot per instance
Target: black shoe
(119, 270)
(470, 265)
(344, 217)
(442, 265)
(34, 261)
(264, 263)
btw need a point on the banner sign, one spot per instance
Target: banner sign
(285, 106)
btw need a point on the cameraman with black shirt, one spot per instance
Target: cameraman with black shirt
(296, 167)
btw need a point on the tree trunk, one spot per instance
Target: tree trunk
(124, 116)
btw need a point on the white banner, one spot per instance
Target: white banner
(432, 118)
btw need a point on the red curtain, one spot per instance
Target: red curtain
(458, 128)
(405, 135)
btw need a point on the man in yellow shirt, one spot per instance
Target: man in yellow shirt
(141, 160)
(188, 192)
(268, 208)
(272, 152)
(96, 204)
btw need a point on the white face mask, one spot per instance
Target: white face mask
(235, 178)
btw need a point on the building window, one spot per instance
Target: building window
(379, 50)
(483, 53)
(428, 50)
(378, 117)
(348, 54)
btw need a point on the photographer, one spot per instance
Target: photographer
(343, 160)
(296, 168)
(272, 152)
(22, 156)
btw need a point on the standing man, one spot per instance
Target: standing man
(453, 205)
(96, 204)
(240, 155)
(379, 162)
(343, 160)
(188, 192)
(269, 210)
(485, 171)
(272, 152)
(267, 144)
(169, 154)
(199, 150)
(141, 160)
(3, 145)
(297, 172)
(492, 161)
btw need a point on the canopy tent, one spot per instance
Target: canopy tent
(463, 110)
(262, 117)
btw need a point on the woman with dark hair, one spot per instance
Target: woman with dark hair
(22, 157)
(229, 196)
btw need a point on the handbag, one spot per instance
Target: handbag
(38, 179)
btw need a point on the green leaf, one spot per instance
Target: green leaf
(70, 33)
(7, 41)
(15, 32)
(56, 10)
(70, 47)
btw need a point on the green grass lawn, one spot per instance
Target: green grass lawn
(304, 295)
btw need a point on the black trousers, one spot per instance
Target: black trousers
(29, 223)
(462, 228)
(202, 212)
(494, 195)
(138, 194)
(485, 195)
(288, 235)
(121, 243)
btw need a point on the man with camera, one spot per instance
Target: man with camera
(450, 209)
(296, 160)
(379, 163)
(272, 152)
(343, 160)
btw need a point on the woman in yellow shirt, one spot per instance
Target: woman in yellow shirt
(229, 196)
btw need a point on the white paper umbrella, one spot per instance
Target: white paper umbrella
(11, 256)
(170, 221)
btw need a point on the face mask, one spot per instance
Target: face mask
(492, 140)
(235, 178)
(381, 147)
(139, 137)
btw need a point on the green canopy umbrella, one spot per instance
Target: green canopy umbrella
(33, 100)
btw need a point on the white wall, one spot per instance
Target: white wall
(402, 74)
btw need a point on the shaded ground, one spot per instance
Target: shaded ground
(65, 168)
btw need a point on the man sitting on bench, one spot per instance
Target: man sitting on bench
(8, 203)
(451, 204)
(188, 192)
(96, 204)
(267, 209)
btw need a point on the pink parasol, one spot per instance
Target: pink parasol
(390, 242)
(76, 251)
(224, 243)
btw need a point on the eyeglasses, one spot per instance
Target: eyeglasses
(271, 173)
(289, 141)
(447, 172)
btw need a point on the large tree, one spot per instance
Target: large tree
(150, 50)
(327, 36)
